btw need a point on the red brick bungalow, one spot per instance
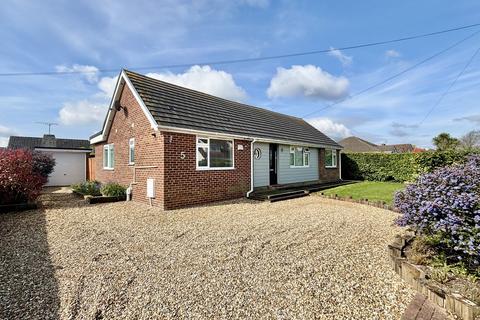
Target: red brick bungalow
(194, 148)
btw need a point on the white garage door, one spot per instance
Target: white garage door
(69, 168)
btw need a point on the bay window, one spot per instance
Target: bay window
(214, 153)
(299, 157)
(330, 158)
(108, 156)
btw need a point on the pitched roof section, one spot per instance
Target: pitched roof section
(48, 141)
(397, 148)
(355, 144)
(179, 107)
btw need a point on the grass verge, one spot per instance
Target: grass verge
(371, 190)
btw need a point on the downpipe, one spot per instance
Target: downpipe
(251, 167)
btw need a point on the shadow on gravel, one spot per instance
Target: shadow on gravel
(28, 287)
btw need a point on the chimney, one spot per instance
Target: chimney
(49, 140)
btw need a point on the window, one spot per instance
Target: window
(299, 157)
(108, 156)
(330, 158)
(214, 153)
(131, 151)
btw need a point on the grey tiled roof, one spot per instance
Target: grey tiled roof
(179, 107)
(398, 148)
(16, 142)
(355, 144)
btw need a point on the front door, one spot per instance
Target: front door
(273, 163)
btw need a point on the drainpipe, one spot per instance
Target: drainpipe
(251, 167)
(340, 164)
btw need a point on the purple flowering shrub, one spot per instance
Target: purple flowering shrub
(445, 205)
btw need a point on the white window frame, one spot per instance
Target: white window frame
(108, 147)
(305, 154)
(131, 150)
(334, 158)
(197, 145)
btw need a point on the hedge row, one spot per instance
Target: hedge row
(397, 167)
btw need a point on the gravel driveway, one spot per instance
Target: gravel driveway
(303, 258)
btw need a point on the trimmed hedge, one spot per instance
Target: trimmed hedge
(399, 167)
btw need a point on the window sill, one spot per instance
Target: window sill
(296, 167)
(214, 169)
(131, 164)
(330, 167)
(108, 169)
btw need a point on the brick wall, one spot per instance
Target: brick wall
(177, 181)
(183, 184)
(131, 122)
(187, 186)
(328, 174)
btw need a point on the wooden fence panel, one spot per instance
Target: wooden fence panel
(91, 168)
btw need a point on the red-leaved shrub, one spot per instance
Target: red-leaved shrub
(21, 179)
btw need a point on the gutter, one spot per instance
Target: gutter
(251, 168)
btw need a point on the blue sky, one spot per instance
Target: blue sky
(91, 35)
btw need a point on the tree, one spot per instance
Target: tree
(471, 140)
(444, 141)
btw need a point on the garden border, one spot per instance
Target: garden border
(378, 204)
(415, 276)
(99, 199)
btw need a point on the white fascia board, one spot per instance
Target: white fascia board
(122, 79)
(64, 150)
(234, 136)
(97, 139)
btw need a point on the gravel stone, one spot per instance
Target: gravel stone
(298, 259)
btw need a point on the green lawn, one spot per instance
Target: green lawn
(371, 190)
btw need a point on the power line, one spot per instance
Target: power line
(378, 84)
(449, 87)
(233, 61)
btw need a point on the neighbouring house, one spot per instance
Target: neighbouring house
(70, 156)
(397, 148)
(356, 144)
(178, 147)
(418, 150)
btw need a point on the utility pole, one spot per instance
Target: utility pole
(49, 124)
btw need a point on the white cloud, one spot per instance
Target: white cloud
(89, 72)
(82, 112)
(309, 81)
(256, 3)
(344, 59)
(107, 86)
(205, 79)
(92, 109)
(3, 141)
(392, 53)
(330, 128)
(5, 133)
(403, 125)
(475, 118)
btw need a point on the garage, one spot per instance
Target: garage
(70, 156)
(70, 167)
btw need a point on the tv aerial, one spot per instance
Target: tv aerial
(49, 124)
